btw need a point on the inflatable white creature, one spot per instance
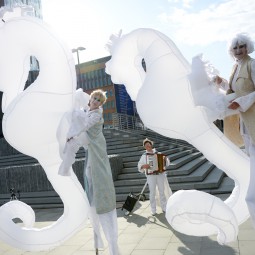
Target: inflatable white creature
(165, 103)
(31, 124)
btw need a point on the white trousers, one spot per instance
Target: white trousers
(159, 182)
(250, 197)
(109, 224)
(108, 221)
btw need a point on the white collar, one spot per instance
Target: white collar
(153, 151)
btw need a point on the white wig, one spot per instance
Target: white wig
(240, 38)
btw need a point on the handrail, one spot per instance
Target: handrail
(129, 123)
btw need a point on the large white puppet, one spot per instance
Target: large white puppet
(31, 124)
(174, 86)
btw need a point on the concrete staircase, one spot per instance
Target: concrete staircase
(189, 169)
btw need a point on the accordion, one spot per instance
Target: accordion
(156, 162)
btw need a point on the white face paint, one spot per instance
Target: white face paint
(240, 51)
(95, 102)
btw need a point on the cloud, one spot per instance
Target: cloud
(218, 22)
(184, 3)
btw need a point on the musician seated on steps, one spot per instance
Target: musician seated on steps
(153, 164)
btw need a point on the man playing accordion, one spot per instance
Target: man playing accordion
(153, 164)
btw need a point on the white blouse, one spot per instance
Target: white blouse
(247, 101)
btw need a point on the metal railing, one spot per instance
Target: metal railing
(129, 123)
(126, 122)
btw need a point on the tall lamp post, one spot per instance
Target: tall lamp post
(78, 59)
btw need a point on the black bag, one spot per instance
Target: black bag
(130, 202)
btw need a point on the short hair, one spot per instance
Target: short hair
(240, 38)
(147, 141)
(101, 94)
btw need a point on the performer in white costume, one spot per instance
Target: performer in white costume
(98, 182)
(242, 83)
(158, 180)
(240, 92)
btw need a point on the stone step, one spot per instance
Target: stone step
(50, 199)
(176, 161)
(114, 140)
(188, 170)
(189, 167)
(186, 173)
(35, 199)
(182, 152)
(180, 161)
(134, 157)
(198, 175)
(134, 148)
(16, 160)
(211, 181)
(112, 143)
(124, 150)
(226, 186)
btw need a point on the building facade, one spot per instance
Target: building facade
(91, 75)
(36, 4)
(37, 12)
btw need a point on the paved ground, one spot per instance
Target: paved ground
(142, 234)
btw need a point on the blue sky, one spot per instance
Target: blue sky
(196, 26)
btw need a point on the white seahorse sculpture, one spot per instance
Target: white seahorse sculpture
(166, 103)
(31, 125)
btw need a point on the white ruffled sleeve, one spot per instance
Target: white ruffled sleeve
(246, 102)
(83, 121)
(90, 119)
(223, 85)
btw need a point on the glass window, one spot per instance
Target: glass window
(109, 80)
(101, 82)
(102, 72)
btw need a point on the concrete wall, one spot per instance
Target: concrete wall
(32, 178)
(6, 149)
